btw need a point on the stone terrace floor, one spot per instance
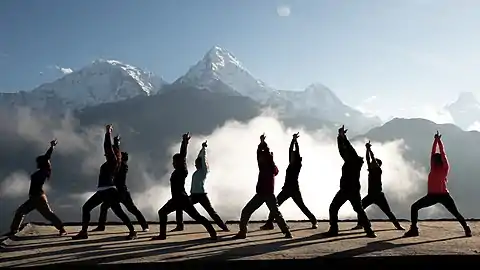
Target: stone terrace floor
(38, 245)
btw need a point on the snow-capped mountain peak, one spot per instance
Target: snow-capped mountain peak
(147, 80)
(465, 111)
(220, 65)
(466, 99)
(218, 57)
(319, 93)
(102, 81)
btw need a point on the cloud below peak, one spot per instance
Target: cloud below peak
(64, 70)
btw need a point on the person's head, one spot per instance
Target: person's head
(379, 162)
(178, 161)
(296, 158)
(359, 160)
(437, 159)
(198, 163)
(43, 162)
(124, 157)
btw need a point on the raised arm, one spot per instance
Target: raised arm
(373, 160)
(290, 149)
(434, 146)
(345, 148)
(297, 148)
(183, 146)
(107, 145)
(203, 156)
(367, 155)
(292, 144)
(262, 147)
(442, 153)
(116, 143)
(49, 152)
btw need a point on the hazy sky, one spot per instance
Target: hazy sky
(390, 57)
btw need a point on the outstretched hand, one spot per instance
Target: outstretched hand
(116, 138)
(368, 145)
(109, 128)
(296, 135)
(54, 142)
(437, 135)
(186, 136)
(204, 144)
(263, 137)
(342, 131)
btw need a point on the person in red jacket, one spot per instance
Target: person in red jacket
(437, 189)
(265, 192)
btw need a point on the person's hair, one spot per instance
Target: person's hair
(41, 161)
(437, 159)
(297, 157)
(379, 162)
(178, 159)
(198, 162)
(124, 156)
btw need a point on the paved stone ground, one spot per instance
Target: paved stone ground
(39, 245)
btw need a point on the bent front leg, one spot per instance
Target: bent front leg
(248, 210)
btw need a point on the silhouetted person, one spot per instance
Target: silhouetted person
(198, 193)
(349, 186)
(375, 194)
(291, 188)
(120, 182)
(265, 192)
(437, 189)
(106, 191)
(180, 199)
(37, 200)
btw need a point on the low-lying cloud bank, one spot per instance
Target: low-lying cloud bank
(232, 158)
(231, 182)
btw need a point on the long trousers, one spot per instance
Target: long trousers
(39, 203)
(125, 199)
(112, 198)
(296, 196)
(204, 201)
(381, 201)
(431, 199)
(255, 203)
(342, 196)
(184, 203)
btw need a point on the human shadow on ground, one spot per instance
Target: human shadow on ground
(60, 241)
(105, 250)
(87, 255)
(231, 253)
(383, 245)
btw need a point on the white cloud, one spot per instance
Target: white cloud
(64, 70)
(283, 11)
(15, 185)
(474, 127)
(367, 107)
(433, 113)
(231, 182)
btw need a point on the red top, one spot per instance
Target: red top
(437, 178)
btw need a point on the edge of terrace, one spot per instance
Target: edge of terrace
(117, 223)
(372, 262)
